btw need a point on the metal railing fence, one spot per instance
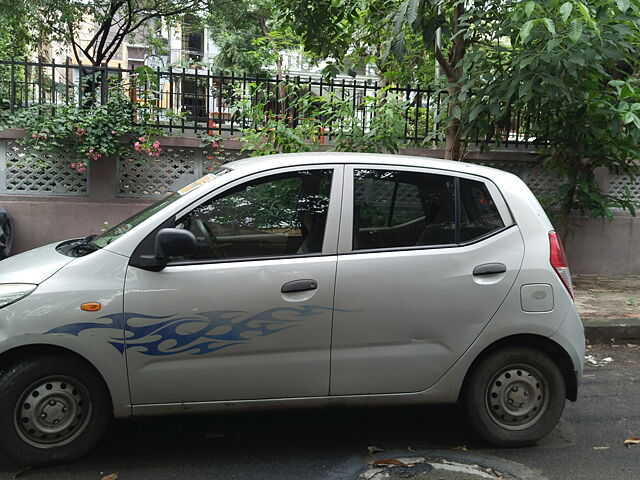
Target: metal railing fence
(196, 100)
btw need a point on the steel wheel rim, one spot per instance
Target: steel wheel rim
(52, 412)
(516, 397)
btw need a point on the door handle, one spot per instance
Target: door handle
(490, 269)
(299, 286)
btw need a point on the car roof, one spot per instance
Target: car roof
(318, 158)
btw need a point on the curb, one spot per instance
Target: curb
(598, 334)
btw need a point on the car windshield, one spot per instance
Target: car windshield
(113, 233)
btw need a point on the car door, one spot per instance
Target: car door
(248, 315)
(425, 260)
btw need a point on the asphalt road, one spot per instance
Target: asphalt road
(329, 444)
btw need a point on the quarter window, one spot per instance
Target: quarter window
(278, 215)
(479, 216)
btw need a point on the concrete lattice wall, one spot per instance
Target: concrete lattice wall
(53, 205)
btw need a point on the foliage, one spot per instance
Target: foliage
(297, 122)
(289, 127)
(383, 131)
(113, 20)
(574, 64)
(92, 132)
(351, 34)
(249, 34)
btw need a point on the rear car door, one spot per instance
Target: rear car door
(248, 316)
(426, 258)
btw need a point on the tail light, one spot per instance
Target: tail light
(559, 261)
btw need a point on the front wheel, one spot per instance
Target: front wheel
(53, 409)
(515, 397)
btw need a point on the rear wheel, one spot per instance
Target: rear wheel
(54, 409)
(515, 397)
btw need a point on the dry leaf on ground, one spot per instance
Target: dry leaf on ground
(632, 441)
(391, 461)
(111, 476)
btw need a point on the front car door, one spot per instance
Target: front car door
(248, 316)
(409, 298)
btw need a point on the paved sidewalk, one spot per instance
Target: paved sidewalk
(609, 307)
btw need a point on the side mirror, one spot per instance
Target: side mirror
(168, 242)
(174, 242)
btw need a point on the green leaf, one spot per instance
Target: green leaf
(565, 11)
(575, 32)
(623, 5)
(525, 30)
(474, 112)
(629, 117)
(553, 43)
(529, 7)
(412, 11)
(456, 112)
(525, 88)
(525, 62)
(550, 26)
(400, 16)
(584, 11)
(398, 47)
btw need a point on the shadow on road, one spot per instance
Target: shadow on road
(266, 438)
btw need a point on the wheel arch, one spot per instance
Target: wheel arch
(538, 342)
(23, 352)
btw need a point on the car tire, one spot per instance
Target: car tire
(53, 409)
(515, 397)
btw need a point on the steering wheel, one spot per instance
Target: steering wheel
(209, 236)
(210, 239)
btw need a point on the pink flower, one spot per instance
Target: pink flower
(80, 131)
(141, 139)
(73, 165)
(136, 146)
(34, 135)
(156, 144)
(214, 144)
(113, 132)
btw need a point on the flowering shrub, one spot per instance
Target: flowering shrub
(85, 133)
(212, 149)
(146, 146)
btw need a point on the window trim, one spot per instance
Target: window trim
(345, 245)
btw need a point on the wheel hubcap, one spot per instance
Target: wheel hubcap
(517, 397)
(52, 412)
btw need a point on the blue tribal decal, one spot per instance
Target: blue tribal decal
(196, 334)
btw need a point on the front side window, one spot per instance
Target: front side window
(402, 209)
(282, 214)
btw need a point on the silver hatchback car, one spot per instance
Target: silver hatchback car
(296, 280)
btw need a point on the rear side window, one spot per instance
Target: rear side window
(395, 209)
(479, 216)
(402, 209)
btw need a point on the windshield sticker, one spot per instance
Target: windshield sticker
(196, 184)
(195, 334)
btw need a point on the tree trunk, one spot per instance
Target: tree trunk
(568, 200)
(453, 71)
(452, 132)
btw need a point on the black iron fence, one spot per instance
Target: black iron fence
(196, 100)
